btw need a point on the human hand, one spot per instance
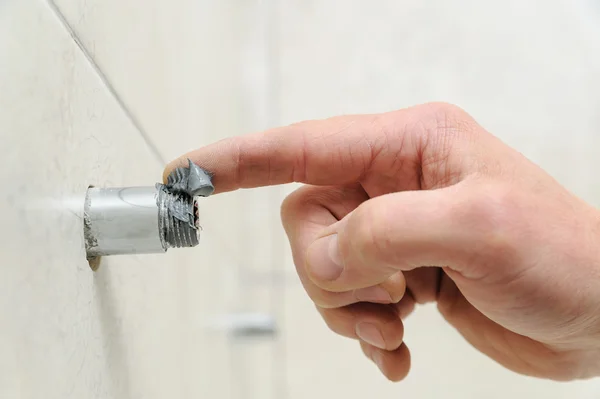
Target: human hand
(424, 199)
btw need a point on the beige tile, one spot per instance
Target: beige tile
(135, 328)
(192, 73)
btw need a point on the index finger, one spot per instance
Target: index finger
(338, 150)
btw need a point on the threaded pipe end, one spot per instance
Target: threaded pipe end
(177, 219)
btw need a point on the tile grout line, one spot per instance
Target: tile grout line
(106, 82)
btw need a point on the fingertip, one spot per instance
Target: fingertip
(382, 333)
(395, 285)
(394, 365)
(166, 172)
(171, 166)
(375, 324)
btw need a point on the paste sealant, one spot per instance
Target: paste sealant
(185, 184)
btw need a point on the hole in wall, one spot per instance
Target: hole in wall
(94, 262)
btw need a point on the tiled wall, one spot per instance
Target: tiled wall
(104, 92)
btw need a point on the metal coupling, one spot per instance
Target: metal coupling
(145, 220)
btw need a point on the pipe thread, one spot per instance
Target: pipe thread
(174, 232)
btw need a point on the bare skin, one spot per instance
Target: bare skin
(423, 205)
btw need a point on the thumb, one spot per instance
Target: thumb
(453, 227)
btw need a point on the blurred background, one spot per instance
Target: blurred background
(105, 92)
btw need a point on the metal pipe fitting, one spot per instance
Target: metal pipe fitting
(136, 220)
(145, 220)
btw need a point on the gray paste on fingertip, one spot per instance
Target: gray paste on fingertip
(186, 183)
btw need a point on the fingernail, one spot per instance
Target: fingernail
(323, 259)
(370, 334)
(373, 294)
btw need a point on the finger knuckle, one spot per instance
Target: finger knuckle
(449, 116)
(441, 129)
(288, 206)
(294, 202)
(449, 122)
(491, 215)
(367, 232)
